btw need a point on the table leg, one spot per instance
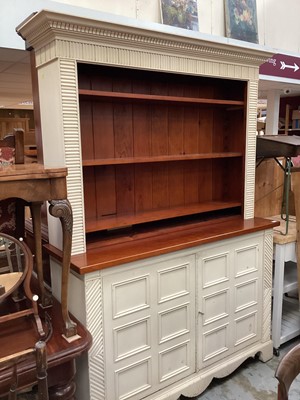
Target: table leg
(296, 190)
(62, 210)
(35, 208)
(64, 387)
(278, 294)
(41, 369)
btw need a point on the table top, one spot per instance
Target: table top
(101, 254)
(31, 171)
(277, 146)
(20, 335)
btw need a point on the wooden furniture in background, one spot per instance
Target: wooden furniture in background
(19, 336)
(288, 369)
(7, 125)
(268, 188)
(282, 149)
(35, 184)
(12, 210)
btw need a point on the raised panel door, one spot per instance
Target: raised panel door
(229, 284)
(149, 326)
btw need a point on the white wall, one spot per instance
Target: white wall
(277, 20)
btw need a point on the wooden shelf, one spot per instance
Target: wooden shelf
(175, 157)
(121, 221)
(159, 147)
(111, 96)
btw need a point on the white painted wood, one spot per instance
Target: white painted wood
(168, 325)
(149, 327)
(285, 315)
(273, 98)
(229, 298)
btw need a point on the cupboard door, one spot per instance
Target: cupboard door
(149, 327)
(230, 298)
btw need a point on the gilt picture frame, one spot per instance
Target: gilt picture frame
(241, 20)
(180, 13)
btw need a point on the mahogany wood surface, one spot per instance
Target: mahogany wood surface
(21, 335)
(103, 254)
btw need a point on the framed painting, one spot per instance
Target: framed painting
(180, 13)
(241, 20)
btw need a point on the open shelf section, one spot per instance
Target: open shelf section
(121, 221)
(158, 146)
(290, 326)
(140, 160)
(112, 96)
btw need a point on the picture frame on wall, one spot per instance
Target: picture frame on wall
(180, 13)
(241, 20)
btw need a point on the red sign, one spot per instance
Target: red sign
(282, 65)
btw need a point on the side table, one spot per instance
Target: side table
(285, 311)
(36, 183)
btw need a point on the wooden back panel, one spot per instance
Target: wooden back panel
(130, 129)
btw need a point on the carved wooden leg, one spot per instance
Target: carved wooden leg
(63, 392)
(62, 210)
(35, 207)
(41, 368)
(64, 387)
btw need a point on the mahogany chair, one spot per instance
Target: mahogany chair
(12, 210)
(288, 369)
(12, 361)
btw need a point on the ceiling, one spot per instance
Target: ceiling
(286, 89)
(15, 79)
(16, 91)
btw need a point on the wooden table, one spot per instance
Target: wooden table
(21, 334)
(36, 183)
(269, 146)
(274, 146)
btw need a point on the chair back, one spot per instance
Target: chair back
(12, 362)
(288, 369)
(12, 148)
(12, 210)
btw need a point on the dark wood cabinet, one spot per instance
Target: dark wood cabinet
(157, 146)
